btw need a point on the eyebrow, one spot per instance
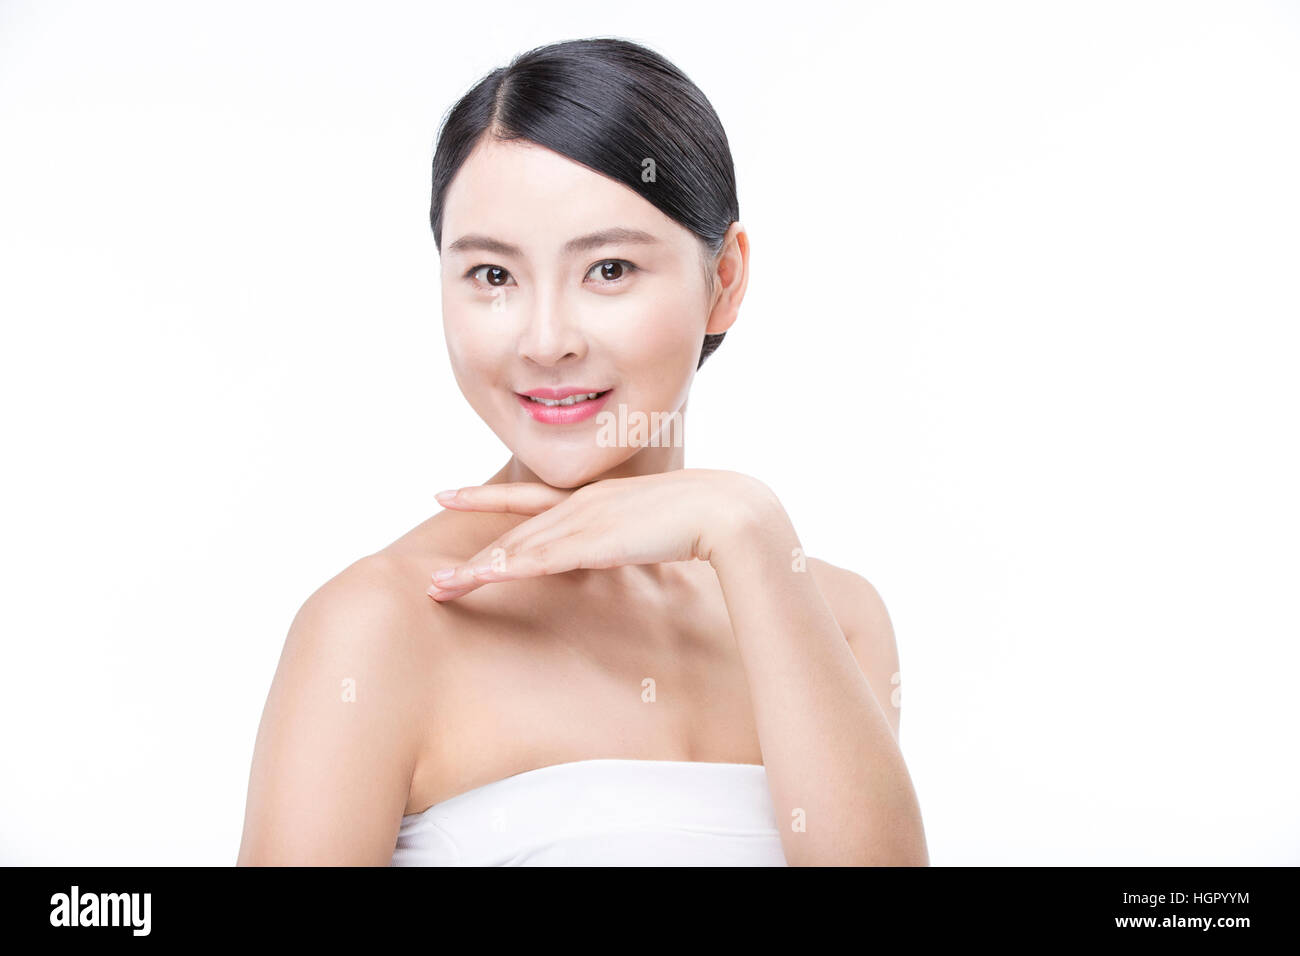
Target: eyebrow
(604, 237)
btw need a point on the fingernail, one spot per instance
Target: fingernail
(483, 569)
(434, 591)
(445, 495)
(443, 574)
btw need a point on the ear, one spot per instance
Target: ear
(730, 277)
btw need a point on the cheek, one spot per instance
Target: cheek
(469, 345)
(663, 333)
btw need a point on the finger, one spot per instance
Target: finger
(539, 527)
(463, 576)
(551, 552)
(460, 575)
(553, 555)
(508, 497)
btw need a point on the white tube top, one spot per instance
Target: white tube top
(602, 812)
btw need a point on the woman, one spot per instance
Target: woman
(599, 655)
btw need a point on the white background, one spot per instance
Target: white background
(1019, 346)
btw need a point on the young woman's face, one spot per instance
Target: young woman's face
(557, 280)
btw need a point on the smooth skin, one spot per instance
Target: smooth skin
(599, 567)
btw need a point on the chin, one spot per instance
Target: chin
(566, 471)
(565, 474)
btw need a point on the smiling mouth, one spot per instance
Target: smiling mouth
(568, 400)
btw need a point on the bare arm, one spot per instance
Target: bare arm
(829, 741)
(863, 618)
(338, 740)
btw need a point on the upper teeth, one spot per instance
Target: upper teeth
(571, 400)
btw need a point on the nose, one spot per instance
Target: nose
(551, 333)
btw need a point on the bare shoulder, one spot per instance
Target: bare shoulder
(369, 616)
(375, 619)
(865, 621)
(369, 591)
(857, 604)
(339, 734)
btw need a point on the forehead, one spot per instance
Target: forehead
(537, 199)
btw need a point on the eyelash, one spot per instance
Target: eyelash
(628, 269)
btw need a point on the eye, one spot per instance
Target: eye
(612, 271)
(495, 276)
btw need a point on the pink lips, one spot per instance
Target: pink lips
(562, 414)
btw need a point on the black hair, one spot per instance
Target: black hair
(616, 107)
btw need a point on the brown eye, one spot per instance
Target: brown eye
(611, 271)
(491, 275)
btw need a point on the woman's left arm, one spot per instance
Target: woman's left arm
(841, 790)
(834, 767)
